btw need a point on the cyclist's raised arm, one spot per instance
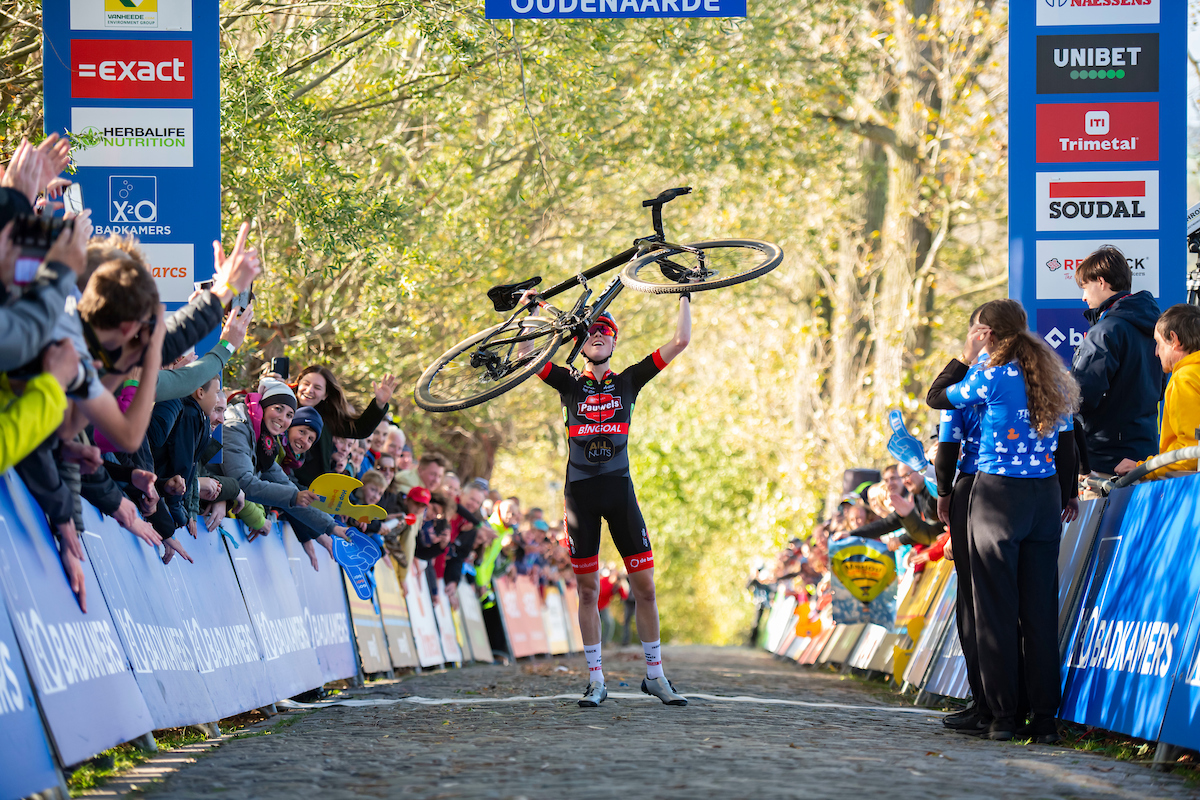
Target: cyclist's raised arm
(683, 332)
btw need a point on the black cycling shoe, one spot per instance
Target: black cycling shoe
(1001, 729)
(976, 727)
(1040, 730)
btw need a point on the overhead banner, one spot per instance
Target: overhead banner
(1097, 110)
(611, 9)
(142, 77)
(79, 669)
(1130, 638)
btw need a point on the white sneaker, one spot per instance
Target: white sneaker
(663, 690)
(594, 696)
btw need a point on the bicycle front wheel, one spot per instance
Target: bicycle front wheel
(487, 365)
(725, 262)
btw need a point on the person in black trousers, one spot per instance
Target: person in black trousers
(1025, 398)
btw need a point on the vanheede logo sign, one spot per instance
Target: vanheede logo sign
(1083, 132)
(1098, 12)
(143, 70)
(1097, 201)
(135, 137)
(131, 15)
(1114, 62)
(1056, 263)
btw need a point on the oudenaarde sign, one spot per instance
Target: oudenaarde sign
(611, 9)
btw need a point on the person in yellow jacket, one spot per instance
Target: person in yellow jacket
(1177, 344)
(32, 410)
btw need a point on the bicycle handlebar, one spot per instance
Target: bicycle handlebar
(1106, 485)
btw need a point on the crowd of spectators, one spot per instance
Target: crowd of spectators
(104, 397)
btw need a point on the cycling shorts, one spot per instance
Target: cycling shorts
(611, 498)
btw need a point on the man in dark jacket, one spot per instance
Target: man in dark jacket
(919, 520)
(1120, 379)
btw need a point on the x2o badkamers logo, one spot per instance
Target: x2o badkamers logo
(1112, 62)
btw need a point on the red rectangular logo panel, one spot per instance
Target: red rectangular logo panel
(1097, 132)
(139, 70)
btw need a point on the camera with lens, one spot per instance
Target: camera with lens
(33, 235)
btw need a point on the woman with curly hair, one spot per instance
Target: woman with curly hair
(1025, 488)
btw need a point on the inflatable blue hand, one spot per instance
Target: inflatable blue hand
(357, 557)
(903, 446)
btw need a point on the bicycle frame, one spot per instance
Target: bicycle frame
(574, 321)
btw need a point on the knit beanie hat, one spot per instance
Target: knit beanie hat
(310, 417)
(275, 393)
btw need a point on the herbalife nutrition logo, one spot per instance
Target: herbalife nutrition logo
(1097, 63)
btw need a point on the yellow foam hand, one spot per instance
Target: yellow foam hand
(806, 627)
(333, 491)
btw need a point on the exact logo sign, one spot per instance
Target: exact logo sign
(1097, 12)
(135, 137)
(1056, 262)
(1115, 62)
(142, 70)
(1097, 201)
(1081, 132)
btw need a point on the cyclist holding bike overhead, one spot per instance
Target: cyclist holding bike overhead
(597, 408)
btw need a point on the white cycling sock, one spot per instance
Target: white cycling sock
(653, 652)
(595, 671)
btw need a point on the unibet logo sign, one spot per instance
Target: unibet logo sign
(142, 70)
(1125, 62)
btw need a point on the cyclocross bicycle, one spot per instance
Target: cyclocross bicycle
(490, 363)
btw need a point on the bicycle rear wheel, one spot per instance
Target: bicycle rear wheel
(486, 365)
(726, 262)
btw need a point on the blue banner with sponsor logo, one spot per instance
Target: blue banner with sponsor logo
(326, 615)
(28, 760)
(151, 629)
(78, 666)
(611, 9)
(275, 611)
(144, 77)
(1129, 639)
(1097, 109)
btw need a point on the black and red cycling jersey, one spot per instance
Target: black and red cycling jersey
(597, 412)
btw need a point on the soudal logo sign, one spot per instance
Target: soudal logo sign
(600, 407)
(1056, 263)
(1095, 201)
(1097, 12)
(1079, 132)
(1118, 62)
(142, 70)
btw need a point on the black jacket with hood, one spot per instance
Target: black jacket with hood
(1120, 380)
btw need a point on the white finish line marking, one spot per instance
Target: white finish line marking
(716, 698)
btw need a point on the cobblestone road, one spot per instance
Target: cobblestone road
(640, 748)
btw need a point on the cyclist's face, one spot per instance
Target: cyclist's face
(599, 346)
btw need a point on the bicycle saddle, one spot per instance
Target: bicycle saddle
(667, 196)
(505, 297)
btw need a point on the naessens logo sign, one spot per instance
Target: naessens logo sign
(1114, 62)
(1056, 263)
(1080, 132)
(1098, 12)
(135, 137)
(1094, 201)
(142, 70)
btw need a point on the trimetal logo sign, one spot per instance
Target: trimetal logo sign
(1115, 62)
(1094, 201)
(1091, 132)
(1097, 12)
(142, 70)
(1056, 263)
(135, 137)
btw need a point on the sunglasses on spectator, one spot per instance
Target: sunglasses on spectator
(602, 328)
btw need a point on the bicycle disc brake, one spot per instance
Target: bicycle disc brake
(495, 366)
(681, 274)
